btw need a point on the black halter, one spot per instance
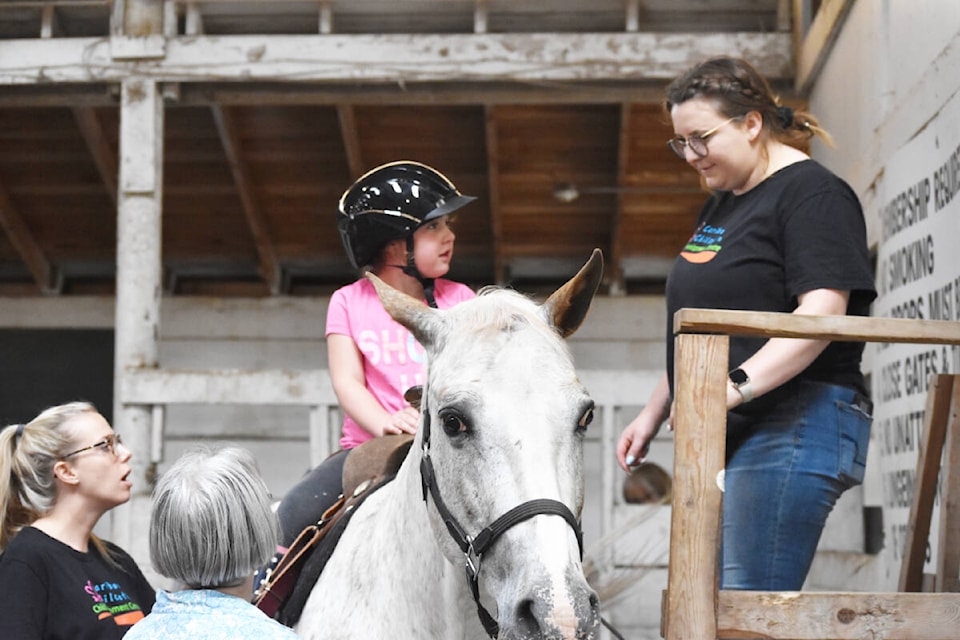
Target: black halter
(474, 548)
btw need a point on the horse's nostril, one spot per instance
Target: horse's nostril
(589, 619)
(526, 618)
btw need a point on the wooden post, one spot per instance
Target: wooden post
(138, 290)
(948, 552)
(693, 608)
(925, 483)
(700, 424)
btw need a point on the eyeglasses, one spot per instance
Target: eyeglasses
(110, 443)
(697, 144)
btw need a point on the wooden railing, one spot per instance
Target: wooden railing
(694, 608)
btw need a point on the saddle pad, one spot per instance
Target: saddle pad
(314, 562)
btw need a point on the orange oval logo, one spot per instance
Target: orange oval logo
(698, 257)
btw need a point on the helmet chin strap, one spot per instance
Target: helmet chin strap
(411, 270)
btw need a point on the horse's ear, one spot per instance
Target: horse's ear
(410, 312)
(567, 306)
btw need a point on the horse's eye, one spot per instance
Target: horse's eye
(452, 423)
(585, 419)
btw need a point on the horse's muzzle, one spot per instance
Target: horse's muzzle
(545, 615)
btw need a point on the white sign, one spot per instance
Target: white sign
(918, 276)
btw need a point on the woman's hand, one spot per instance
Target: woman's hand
(634, 443)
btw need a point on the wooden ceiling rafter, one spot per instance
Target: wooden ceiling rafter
(813, 43)
(398, 59)
(104, 156)
(493, 179)
(267, 261)
(784, 15)
(632, 16)
(382, 66)
(193, 19)
(269, 264)
(481, 16)
(347, 117)
(616, 284)
(49, 25)
(325, 17)
(47, 278)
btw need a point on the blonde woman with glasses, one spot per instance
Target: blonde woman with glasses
(59, 473)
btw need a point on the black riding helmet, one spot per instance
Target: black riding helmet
(391, 202)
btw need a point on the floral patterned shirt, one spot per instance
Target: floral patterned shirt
(207, 614)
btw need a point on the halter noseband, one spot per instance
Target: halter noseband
(474, 547)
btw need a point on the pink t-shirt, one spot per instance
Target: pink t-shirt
(393, 361)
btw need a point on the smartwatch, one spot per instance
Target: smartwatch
(741, 382)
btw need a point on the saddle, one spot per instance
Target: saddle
(374, 458)
(287, 585)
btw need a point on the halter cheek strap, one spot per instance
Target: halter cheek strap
(474, 548)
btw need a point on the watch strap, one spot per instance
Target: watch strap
(741, 382)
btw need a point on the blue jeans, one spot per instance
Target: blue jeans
(785, 470)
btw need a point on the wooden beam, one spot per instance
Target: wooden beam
(784, 15)
(936, 417)
(142, 18)
(148, 386)
(492, 136)
(103, 155)
(193, 22)
(44, 274)
(834, 328)
(812, 615)
(137, 329)
(701, 422)
(40, 4)
(391, 58)
(615, 279)
(429, 93)
(481, 16)
(325, 18)
(814, 46)
(948, 553)
(270, 269)
(57, 312)
(170, 19)
(49, 25)
(351, 140)
(632, 16)
(327, 94)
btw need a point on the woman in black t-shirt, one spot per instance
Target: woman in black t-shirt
(779, 233)
(59, 473)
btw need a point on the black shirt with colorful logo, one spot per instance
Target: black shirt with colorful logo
(54, 592)
(799, 230)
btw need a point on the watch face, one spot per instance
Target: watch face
(739, 377)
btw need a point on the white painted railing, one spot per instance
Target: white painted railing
(160, 388)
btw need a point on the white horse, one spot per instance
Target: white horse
(501, 432)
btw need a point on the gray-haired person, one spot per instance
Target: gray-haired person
(211, 527)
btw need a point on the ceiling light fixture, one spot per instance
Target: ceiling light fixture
(567, 192)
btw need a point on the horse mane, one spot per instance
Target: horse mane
(499, 310)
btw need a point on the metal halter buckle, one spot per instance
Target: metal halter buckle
(473, 559)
